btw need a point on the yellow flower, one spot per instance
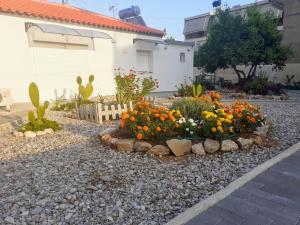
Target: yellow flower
(213, 130)
(220, 129)
(219, 123)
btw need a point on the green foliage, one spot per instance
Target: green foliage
(184, 90)
(233, 41)
(129, 87)
(197, 90)
(261, 85)
(192, 108)
(41, 126)
(39, 122)
(85, 91)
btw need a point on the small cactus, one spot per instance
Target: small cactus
(85, 91)
(35, 100)
(197, 90)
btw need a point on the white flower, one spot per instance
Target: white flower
(194, 124)
(187, 129)
(191, 132)
(191, 120)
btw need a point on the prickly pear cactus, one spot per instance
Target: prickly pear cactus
(35, 100)
(197, 90)
(85, 91)
(34, 95)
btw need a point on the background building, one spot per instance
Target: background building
(286, 15)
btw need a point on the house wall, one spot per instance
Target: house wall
(55, 69)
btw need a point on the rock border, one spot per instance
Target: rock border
(182, 147)
(202, 206)
(31, 134)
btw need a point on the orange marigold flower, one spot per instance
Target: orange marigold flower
(139, 127)
(132, 119)
(125, 116)
(145, 128)
(158, 129)
(253, 120)
(139, 136)
(162, 118)
(157, 115)
(123, 123)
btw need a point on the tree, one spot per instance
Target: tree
(232, 41)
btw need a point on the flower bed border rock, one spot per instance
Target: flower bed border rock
(182, 147)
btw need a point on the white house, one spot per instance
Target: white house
(52, 43)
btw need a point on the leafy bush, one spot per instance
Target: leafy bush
(148, 122)
(189, 127)
(246, 116)
(184, 90)
(42, 126)
(262, 86)
(129, 88)
(191, 108)
(217, 124)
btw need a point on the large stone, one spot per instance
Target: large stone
(180, 147)
(284, 97)
(125, 145)
(142, 146)
(40, 133)
(262, 131)
(211, 146)
(105, 139)
(113, 142)
(229, 145)
(246, 144)
(17, 134)
(159, 150)
(49, 131)
(258, 140)
(198, 149)
(29, 134)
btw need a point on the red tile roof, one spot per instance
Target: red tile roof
(67, 13)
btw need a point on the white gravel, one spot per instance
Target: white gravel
(69, 178)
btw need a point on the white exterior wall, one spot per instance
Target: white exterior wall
(55, 69)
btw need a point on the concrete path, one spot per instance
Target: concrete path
(271, 198)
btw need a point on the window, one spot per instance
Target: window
(182, 57)
(144, 61)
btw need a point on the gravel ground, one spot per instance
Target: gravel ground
(69, 178)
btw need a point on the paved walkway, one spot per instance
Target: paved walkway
(272, 198)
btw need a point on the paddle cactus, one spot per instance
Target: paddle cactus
(197, 90)
(85, 91)
(35, 100)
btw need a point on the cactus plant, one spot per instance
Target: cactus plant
(197, 90)
(85, 91)
(35, 100)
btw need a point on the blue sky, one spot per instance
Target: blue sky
(159, 14)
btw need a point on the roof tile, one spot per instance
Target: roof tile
(69, 13)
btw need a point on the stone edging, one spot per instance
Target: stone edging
(220, 195)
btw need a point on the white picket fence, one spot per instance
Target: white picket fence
(98, 112)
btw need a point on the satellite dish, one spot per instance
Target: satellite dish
(216, 3)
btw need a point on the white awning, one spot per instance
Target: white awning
(56, 29)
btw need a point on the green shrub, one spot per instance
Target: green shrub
(130, 87)
(192, 108)
(40, 127)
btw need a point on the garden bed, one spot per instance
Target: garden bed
(69, 177)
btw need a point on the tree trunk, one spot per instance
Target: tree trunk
(239, 73)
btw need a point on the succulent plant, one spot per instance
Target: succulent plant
(85, 91)
(197, 90)
(35, 100)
